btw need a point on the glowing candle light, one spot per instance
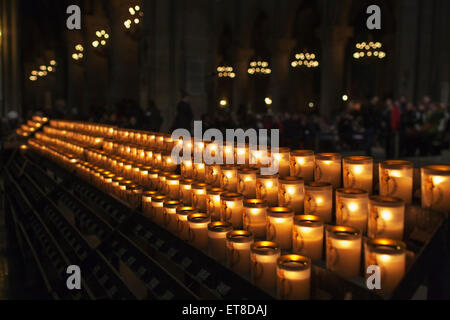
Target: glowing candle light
(232, 208)
(328, 169)
(186, 167)
(255, 217)
(238, 251)
(217, 234)
(173, 186)
(170, 215)
(153, 176)
(213, 206)
(294, 277)
(198, 230)
(282, 158)
(159, 141)
(199, 171)
(143, 176)
(213, 175)
(157, 160)
(267, 189)
(229, 180)
(435, 187)
(186, 191)
(199, 196)
(390, 256)
(228, 153)
(352, 208)
(308, 236)
(147, 209)
(259, 156)
(264, 256)
(280, 222)
(343, 250)
(358, 173)
(302, 164)
(134, 196)
(247, 182)
(167, 163)
(396, 179)
(242, 154)
(291, 193)
(319, 200)
(182, 221)
(386, 217)
(158, 209)
(162, 186)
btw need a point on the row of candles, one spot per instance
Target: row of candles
(31, 126)
(191, 209)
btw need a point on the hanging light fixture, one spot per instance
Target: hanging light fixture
(134, 19)
(305, 59)
(369, 50)
(225, 71)
(42, 71)
(101, 40)
(259, 66)
(78, 54)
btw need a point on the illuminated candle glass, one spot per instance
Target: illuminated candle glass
(173, 186)
(199, 196)
(128, 170)
(232, 208)
(182, 221)
(151, 138)
(291, 193)
(212, 152)
(134, 196)
(358, 173)
(167, 163)
(247, 182)
(213, 175)
(307, 237)
(163, 187)
(159, 140)
(198, 230)
(436, 187)
(302, 164)
(186, 191)
(199, 148)
(386, 217)
(396, 179)
(158, 209)
(352, 208)
(147, 209)
(143, 176)
(264, 256)
(282, 157)
(259, 156)
(187, 168)
(148, 156)
(293, 277)
(343, 246)
(213, 207)
(390, 256)
(217, 234)
(328, 168)
(255, 217)
(267, 189)
(168, 143)
(319, 200)
(280, 222)
(170, 215)
(228, 153)
(229, 180)
(153, 176)
(242, 153)
(157, 159)
(238, 251)
(199, 171)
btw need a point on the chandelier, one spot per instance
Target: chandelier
(43, 71)
(259, 67)
(372, 50)
(224, 71)
(135, 17)
(102, 39)
(78, 54)
(305, 59)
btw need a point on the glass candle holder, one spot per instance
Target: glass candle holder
(352, 208)
(247, 182)
(293, 277)
(144, 176)
(390, 256)
(264, 256)
(386, 217)
(302, 164)
(167, 164)
(153, 176)
(435, 185)
(238, 251)
(328, 168)
(229, 179)
(186, 191)
(199, 196)
(170, 215)
(147, 208)
(199, 172)
(173, 186)
(232, 208)
(291, 193)
(396, 179)
(217, 235)
(343, 246)
(158, 209)
(213, 175)
(198, 230)
(157, 159)
(282, 158)
(267, 189)
(259, 156)
(186, 167)
(134, 196)
(255, 217)
(242, 154)
(358, 173)
(308, 236)
(228, 153)
(280, 222)
(319, 200)
(213, 206)
(182, 221)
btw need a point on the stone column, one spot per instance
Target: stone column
(241, 85)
